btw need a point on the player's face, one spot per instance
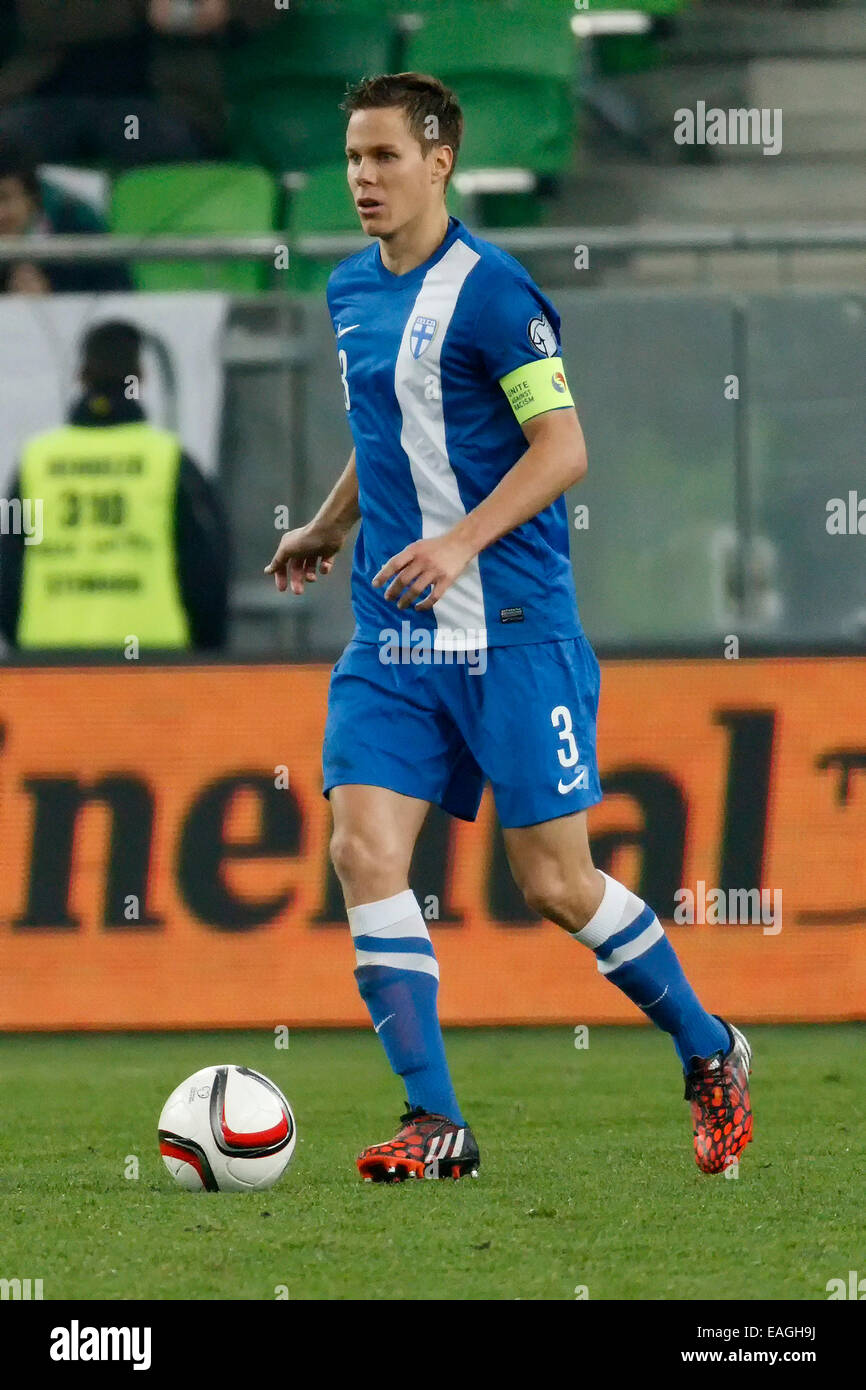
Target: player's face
(390, 179)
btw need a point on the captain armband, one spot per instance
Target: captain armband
(536, 387)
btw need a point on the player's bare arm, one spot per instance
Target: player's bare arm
(554, 461)
(305, 548)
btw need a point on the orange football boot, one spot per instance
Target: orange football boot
(718, 1090)
(427, 1146)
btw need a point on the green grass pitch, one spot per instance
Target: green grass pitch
(587, 1175)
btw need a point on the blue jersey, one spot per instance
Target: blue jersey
(439, 368)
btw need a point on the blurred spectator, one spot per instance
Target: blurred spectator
(31, 206)
(82, 68)
(130, 539)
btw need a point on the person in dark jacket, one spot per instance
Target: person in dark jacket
(32, 206)
(130, 539)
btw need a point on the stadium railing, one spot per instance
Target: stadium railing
(781, 239)
(757, 466)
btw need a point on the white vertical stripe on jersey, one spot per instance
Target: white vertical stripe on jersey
(459, 614)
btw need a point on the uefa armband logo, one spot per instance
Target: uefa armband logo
(542, 336)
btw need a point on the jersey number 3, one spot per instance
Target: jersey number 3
(560, 718)
(344, 367)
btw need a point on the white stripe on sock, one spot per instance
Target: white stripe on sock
(617, 908)
(413, 925)
(367, 918)
(632, 949)
(393, 919)
(400, 960)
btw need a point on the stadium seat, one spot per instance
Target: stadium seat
(284, 87)
(515, 77)
(618, 54)
(651, 7)
(196, 200)
(90, 186)
(488, 8)
(318, 202)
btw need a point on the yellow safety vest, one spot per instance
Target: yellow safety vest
(105, 568)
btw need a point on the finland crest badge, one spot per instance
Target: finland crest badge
(422, 335)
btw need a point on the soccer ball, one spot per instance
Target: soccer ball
(227, 1129)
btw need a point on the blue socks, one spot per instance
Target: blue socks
(398, 978)
(633, 952)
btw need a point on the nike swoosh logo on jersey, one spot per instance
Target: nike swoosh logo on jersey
(341, 331)
(581, 780)
(382, 1024)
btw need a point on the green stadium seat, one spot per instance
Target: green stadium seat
(487, 8)
(620, 54)
(515, 75)
(320, 204)
(284, 87)
(651, 7)
(196, 200)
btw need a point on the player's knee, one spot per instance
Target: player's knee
(565, 898)
(361, 859)
(546, 892)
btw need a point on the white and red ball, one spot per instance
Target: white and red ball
(227, 1129)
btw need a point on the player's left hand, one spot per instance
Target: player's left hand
(437, 562)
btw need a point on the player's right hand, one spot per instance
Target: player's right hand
(300, 551)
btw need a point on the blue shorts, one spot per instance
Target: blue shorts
(437, 732)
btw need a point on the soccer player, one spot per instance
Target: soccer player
(465, 439)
